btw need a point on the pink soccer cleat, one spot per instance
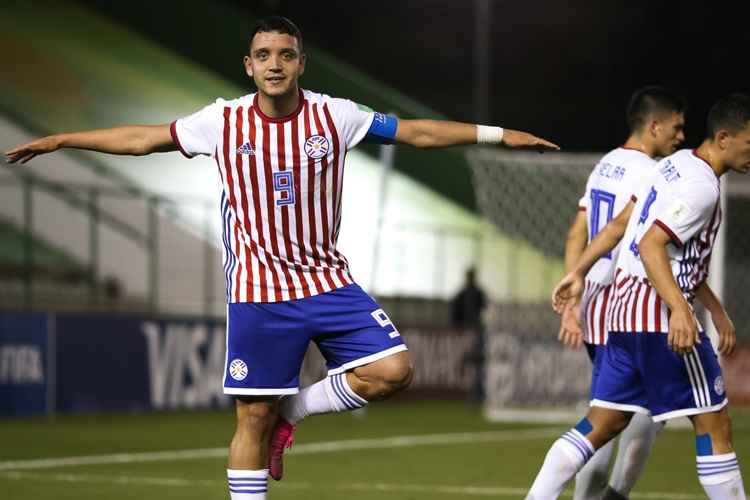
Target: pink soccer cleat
(281, 438)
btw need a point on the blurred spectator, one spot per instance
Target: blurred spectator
(467, 305)
(112, 289)
(466, 312)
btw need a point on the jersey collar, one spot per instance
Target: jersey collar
(280, 119)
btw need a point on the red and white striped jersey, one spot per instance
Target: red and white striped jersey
(281, 191)
(683, 200)
(613, 182)
(594, 307)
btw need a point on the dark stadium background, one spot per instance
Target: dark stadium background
(562, 69)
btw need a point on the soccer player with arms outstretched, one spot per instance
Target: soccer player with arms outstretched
(655, 117)
(280, 156)
(658, 360)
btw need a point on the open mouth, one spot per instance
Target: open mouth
(275, 79)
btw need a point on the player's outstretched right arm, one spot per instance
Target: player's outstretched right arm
(136, 140)
(443, 133)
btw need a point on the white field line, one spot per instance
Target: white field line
(319, 447)
(497, 491)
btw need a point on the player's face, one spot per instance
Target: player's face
(670, 133)
(275, 63)
(737, 150)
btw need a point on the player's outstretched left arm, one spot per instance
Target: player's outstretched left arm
(719, 317)
(440, 133)
(134, 140)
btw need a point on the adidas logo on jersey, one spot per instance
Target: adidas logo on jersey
(246, 149)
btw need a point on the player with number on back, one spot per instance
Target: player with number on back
(655, 117)
(280, 156)
(658, 360)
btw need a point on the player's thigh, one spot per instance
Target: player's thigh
(352, 330)
(266, 344)
(256, 411)
(681, 384)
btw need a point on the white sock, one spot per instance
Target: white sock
(564, 459)
(720, 476)
(247, 484)
(332, 394)
(591, 481)
(633, 451)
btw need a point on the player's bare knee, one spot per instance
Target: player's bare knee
(386, 384)
(399, 378)
(396, 375)
(405, 382)
(383, 378)
(256, 416)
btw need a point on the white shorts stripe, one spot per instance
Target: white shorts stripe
(693, 381)
(702, 375)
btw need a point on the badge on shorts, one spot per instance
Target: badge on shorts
(719, 385)
(238, 369)
(316, 146)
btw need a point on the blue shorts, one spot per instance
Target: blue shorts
(267, 342)
(596, 353)
(638, 372)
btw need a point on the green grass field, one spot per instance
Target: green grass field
(415, 451)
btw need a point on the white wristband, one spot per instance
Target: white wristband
(489, 135)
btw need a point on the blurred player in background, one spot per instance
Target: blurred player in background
(280, 156)
(655, 117)
(466, 313)
(658, 360)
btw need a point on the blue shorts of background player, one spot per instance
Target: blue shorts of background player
(595, 352)
(638, 372)
(267, 342)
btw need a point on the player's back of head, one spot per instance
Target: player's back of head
(730, 113)
(652, 101)
(277, 24)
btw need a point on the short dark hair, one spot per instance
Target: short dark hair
(650, 100)
(278, 24)
(730, 113)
